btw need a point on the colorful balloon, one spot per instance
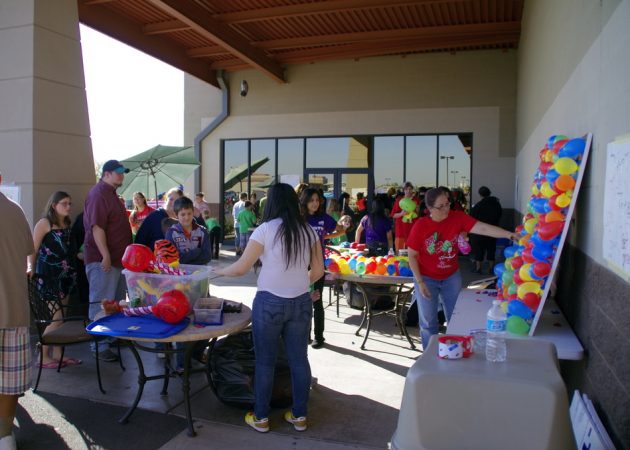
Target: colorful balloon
(565, 166)
(564, 183)
(540, 269)
(516, 325)
(523, 272)
(520, 309)
(573, 149)
(532, 300)
(563, 200)
(530, 286)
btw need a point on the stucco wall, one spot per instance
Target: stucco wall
(574, 58)
(433, 93)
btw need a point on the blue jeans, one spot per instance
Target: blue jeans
(290, 319)
(446, 290)
(237, 237)
(109, 285)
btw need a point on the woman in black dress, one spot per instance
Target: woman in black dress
(52, 264)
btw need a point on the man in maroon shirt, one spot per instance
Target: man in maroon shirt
(107, 234)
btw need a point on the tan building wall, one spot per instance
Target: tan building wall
(44, 127)
(433, 93)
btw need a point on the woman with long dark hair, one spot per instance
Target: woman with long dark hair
(53, 263)
(140, 211)
(378, 230)
(312, 205)
(287, 246)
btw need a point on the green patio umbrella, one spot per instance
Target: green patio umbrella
(159, 168)
(238, 173)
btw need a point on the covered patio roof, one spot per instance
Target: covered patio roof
(202, 36)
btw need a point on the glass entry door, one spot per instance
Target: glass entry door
(336, 181)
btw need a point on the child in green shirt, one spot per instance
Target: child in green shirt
(246, 220)
(214, 232)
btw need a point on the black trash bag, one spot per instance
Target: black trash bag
(231, 372)
(354, 298)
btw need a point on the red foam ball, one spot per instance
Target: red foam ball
(172, 306)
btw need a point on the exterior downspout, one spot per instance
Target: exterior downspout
(225, 112)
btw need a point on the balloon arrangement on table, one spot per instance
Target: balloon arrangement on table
(363, 265)
(523, 276)
(409, 206)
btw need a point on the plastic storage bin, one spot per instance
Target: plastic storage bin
(149, 287)
(209, 311)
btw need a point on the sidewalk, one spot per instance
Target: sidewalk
(353, 405)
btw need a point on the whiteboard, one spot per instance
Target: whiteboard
(616, 220)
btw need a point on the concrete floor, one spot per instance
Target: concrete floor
(353, 405)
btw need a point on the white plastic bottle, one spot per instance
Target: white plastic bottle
(496, 349)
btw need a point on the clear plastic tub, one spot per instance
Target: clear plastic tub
(149, 287)
(209, 311)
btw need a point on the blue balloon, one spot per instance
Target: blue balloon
(552, 176)
(554, 138)
(327, 262)
(405, 272)
(538, 241)
(508, 252)
(542, 252)
(352, 264)
(498, 270)
(572, 149)
(519, 309)
(539, 205)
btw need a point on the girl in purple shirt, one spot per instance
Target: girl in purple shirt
(377, 228)
(313, 207)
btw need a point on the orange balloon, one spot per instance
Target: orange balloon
(564, 183)
(381, 269)
(554, 216)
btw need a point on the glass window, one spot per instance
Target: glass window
(454, 168)
(421, 161)
(291, 161)
(234, 178)
(337, 152)
(388, 162)
(263, 165)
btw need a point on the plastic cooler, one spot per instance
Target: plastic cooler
(470, 403)
(149, 287)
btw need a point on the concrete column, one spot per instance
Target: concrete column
(45, 142)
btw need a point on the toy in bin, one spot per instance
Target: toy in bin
(209, 311)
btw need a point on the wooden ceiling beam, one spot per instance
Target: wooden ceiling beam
(305, 9)
(168, 26)
(201, 21)
(363, 50)
(96, 2)
(205, 52)
(486, 29)
(129, 32)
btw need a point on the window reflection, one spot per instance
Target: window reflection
(337, 152)
(422, 160)
(389, 162)
(290, 161)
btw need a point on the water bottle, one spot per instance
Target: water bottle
(496, 350)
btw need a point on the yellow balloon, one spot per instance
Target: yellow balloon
(530, 225)
(565, 166)
(523, 272)
(527, 287)
(563, 200)
(504, 306)
(546, 190)
(508, 263)
(548, 156)
(535, 190)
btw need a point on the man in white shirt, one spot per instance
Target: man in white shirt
(238, 207)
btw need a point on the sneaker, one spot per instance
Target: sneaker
(106, 355)
(299, 423)
(317, 343)
(260, 425)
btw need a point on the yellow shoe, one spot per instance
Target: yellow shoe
(299, 423)
(260, 425)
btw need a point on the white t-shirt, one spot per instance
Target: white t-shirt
(274, 276)
(238, 207)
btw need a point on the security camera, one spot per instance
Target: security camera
(244, 88)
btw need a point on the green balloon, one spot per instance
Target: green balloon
(516, 325)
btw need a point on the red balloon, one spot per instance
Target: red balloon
(541, 269)
(137, 257)
(532, 300)
(172, 306)
(517, 278)
(513, 297)
(552, 203)
(517, 262)
(545, 166)
(527, 255)
(549, 230)
(370, 267)
(333, 267)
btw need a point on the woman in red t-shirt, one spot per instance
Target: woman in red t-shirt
(433, 253)
(140, 211)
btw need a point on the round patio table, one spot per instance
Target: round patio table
(369, 286)
(190, 336)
